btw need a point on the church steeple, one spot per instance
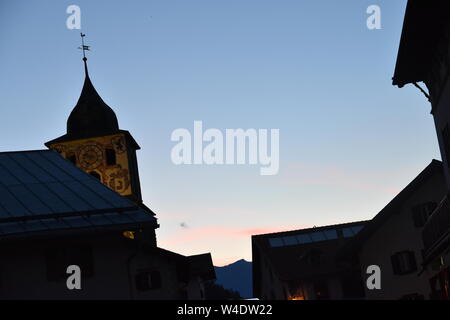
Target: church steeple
(91, 116)
(95, 143)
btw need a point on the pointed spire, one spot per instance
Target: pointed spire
(85, 67)
(91, 116)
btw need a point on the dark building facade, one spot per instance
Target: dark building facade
(303, 265)
(392, 240)
(53, 215)
(424, 56)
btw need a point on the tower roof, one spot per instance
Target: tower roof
(91, 116)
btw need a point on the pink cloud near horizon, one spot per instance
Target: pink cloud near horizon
(226, 244)
(205, 232)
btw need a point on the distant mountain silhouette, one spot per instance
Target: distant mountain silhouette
(236, 276)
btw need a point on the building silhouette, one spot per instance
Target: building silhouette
(409, 239)
(424, 56)
(80, 204)
(392, 240)
(303, 265)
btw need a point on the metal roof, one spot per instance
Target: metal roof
(41, 191)
(287, 252)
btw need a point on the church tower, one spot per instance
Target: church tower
(95, 144)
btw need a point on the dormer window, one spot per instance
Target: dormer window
(110, 157)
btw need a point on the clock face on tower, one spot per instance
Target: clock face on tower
(90, 156)
(104, 157)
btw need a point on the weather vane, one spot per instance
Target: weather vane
(84, 47)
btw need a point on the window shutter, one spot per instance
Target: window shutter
(417, 216)
(395, 264)
(431, 206)
(155, 277)
(142, 281)
(412, 261)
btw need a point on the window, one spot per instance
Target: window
(351, 231)
(318, 236)
(420, 213)
(276, 242)
(290, 240)
(148, 280)
(347, 232)
(96, 175)
(331, 234)
(142, 281)
(155, 280)
(404, 262)
(446, 143)
(110, 157)
(304, 238)
(357, 229)
(59, 258)
(72, 158)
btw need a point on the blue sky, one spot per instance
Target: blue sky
(349, 140)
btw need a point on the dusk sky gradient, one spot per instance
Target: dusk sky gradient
(349, 140)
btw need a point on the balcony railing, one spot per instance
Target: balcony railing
(437, 229)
